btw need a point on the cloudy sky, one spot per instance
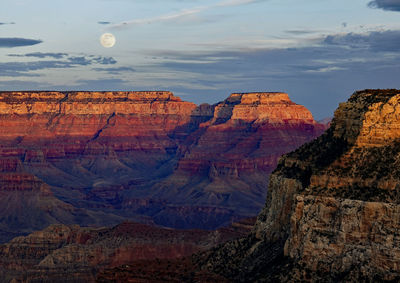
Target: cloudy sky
(319, 51)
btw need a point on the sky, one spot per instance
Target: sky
(318, 51)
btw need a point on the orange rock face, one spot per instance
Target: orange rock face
(149, 156)
(336, 236)
(332, 212)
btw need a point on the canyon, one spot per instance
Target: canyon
(99, 158)
(332, 210)
(331, 213)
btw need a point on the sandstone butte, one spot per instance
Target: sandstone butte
(97, 158)
(333, 207)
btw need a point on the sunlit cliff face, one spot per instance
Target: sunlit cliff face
(149, 155)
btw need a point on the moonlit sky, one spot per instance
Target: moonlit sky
(319, 51)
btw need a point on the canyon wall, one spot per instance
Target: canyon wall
(332, 211)
(146, 156)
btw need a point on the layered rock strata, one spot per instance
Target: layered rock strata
(149, 156)
(63, 253)
(332, 211)
(227, 161)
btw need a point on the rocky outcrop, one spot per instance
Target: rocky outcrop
(73, 254)
(332, 211)
(149, 156)
(345, 237)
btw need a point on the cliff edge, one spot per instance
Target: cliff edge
(332, 211)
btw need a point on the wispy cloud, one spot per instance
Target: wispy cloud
(41, 55)
(10, 42)
(300, 31)
(183, 13)
(115, 70)
(61, 61)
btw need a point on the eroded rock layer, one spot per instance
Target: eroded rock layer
(63, 253)
(332, 211)
(148, 156)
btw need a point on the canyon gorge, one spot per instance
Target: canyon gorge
(99, 158)
(331, 212)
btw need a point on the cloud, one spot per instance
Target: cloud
(8, 42)
(66, 61)
(389, 5)
(115, 71)
(80, 60)
(379, 41)
(41, 55)
(319, 75)
(105, 60)
(103, 23)
(10, 23)
(183, 13)
(300, 32)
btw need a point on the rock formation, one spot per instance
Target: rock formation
(227, 161)
(332, 212)
(63, 253)
(146, 156)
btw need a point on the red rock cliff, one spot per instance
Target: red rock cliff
(227, 161)
(333, 207)
(150, 155)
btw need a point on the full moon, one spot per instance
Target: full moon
(107, 40)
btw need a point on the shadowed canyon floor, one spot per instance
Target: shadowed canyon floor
(63, 253)
(98, 158)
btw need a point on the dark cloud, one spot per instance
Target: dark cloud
(20, 69)
(115, 71)
(379, 41)
(103, 23)
(11, 23)
(80, 60)
(8, 42)
(389, 5)
(41, 55)
(104, 60)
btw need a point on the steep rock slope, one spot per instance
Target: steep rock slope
(332, 211)
(149, 156)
